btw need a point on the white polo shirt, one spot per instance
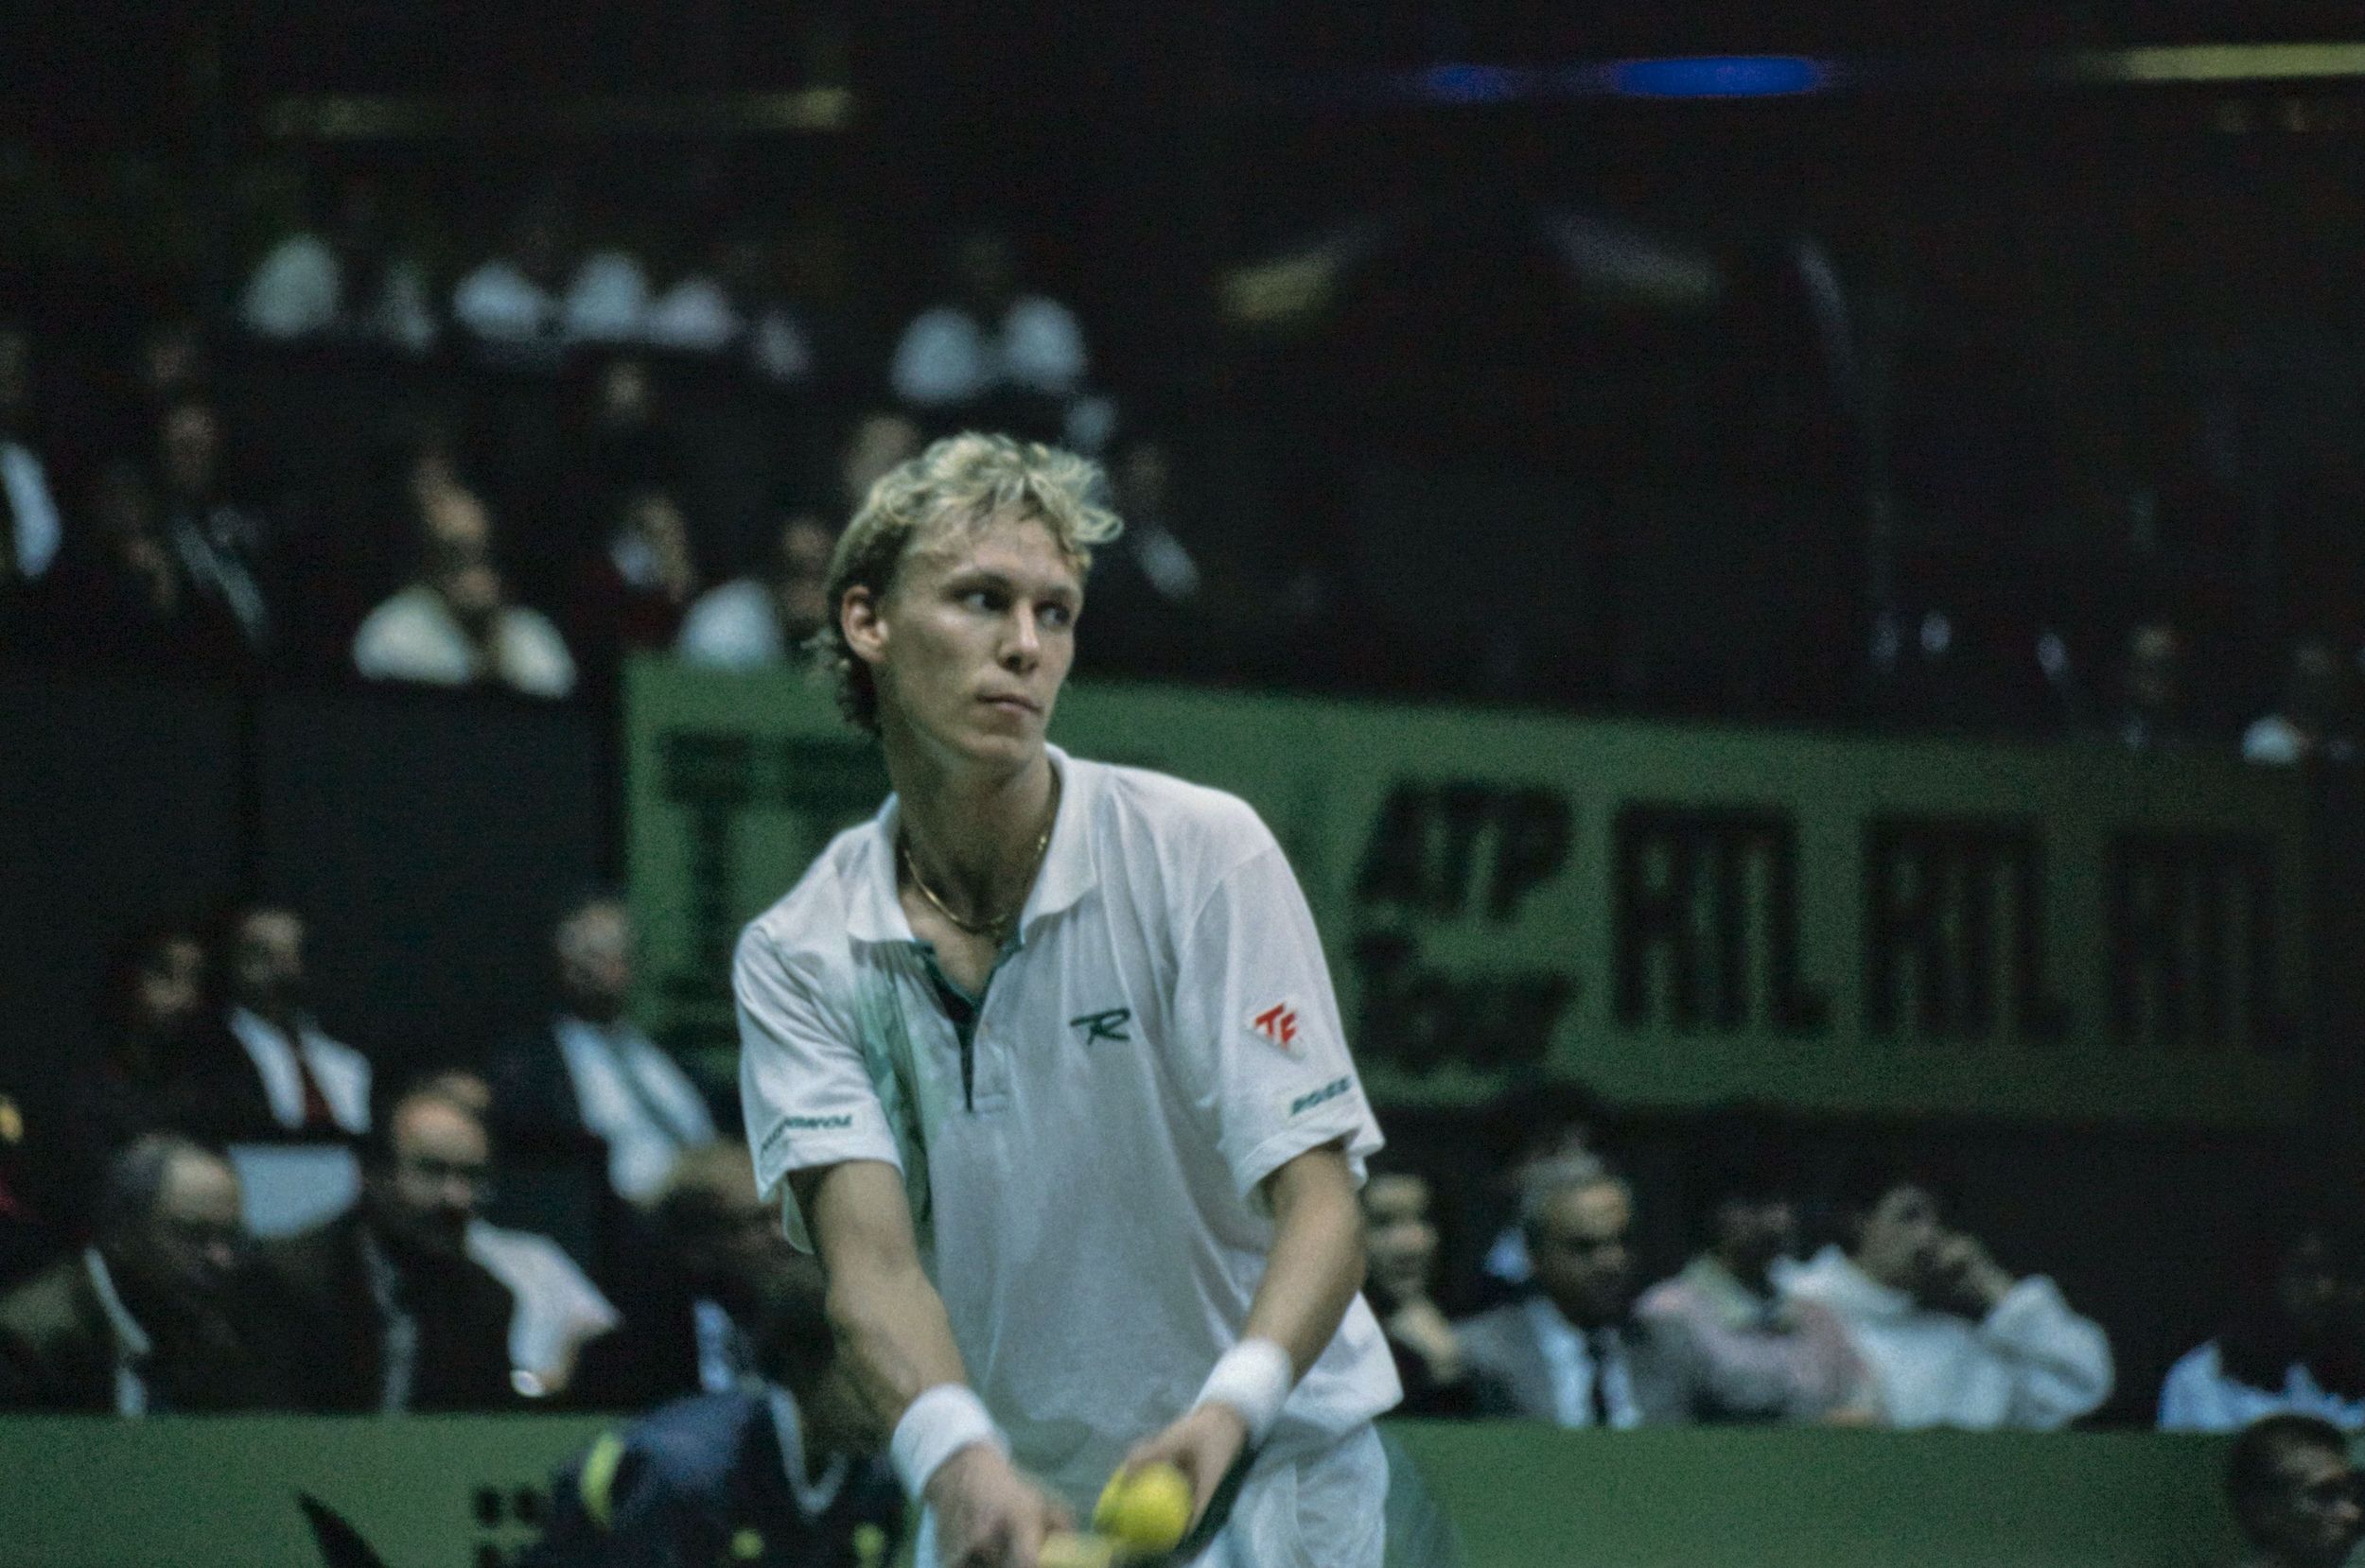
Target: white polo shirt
(1159, 1036)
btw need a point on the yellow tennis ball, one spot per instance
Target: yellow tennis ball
(1147, 1508)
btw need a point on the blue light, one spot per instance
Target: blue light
(1717, 77)
(1463, 83)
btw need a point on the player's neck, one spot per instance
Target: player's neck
(972, 834)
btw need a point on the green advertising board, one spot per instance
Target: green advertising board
(1677, 917)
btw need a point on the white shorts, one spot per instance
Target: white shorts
(1328, 1509)
(1323, 1510)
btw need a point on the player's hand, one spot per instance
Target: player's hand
(989, 1515)
(1202, 1444)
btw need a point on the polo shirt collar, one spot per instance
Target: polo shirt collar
(1070, 870)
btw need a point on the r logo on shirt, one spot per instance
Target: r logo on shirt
(1107, 1025)
(1276, 1025)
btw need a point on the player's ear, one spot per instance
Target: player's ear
(859, 619)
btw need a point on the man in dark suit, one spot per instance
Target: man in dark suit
(589, 1078)
(381, 1309)
(786, 1471)
(691, 1290)
(262, 1068)
(147, 1317)
(1571, 1353)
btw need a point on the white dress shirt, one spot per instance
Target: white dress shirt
(636, 1099)
(342, 1073)
(1575, 1366)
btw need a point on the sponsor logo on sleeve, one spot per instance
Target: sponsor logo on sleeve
(1328, 1093)
(816, 1123)
(1276, 1024)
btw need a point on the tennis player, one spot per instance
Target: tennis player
(1047, 1058)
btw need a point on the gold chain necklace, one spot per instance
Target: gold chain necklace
(993, 926)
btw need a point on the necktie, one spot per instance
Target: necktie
(1603, 1342)
(318, 1117)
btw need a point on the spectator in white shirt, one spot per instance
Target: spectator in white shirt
(590, 1072)
(2289, 1341)
(995, 352)
(456, 626)
(524, 307)
(1949, 1336)
(728, 309)
(2317, 719)
(754, 622)
(340, 278)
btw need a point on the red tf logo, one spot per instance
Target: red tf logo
(1278, 1025)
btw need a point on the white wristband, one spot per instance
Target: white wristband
(1253, 1377)
(937, 1425)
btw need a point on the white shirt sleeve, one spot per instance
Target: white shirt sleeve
(1260, 1040)
(808, 1097)
(534, 657)
(2059, 1362)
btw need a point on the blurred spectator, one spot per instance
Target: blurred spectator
(1150, 618)
(2317, 719)
(1764, 1358)
(1950, 1338)
(2290, 1340)
(152, 1012)
(753, 621)
(2294, 1492)
(2152, 709)
(29, 528)
(692, 1288)
(1400, 1248)
(875, 443)
(787, 1471)
(263, 1066)
(456, 626)
(631, 597)
(993, 354)
(590, 1070)
(125, 597)
(1571, 1353)
(146, 1319)
(625, 443)
(28, 1234)
(558, 1309)
(218, 544)
(729, 308)
(1532, 1125)
(382, 1309)
(340, 278)
(525, 305)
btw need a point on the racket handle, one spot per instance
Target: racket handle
(1068, 1549)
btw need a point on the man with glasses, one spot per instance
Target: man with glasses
(145, 1321)
(382, 1309)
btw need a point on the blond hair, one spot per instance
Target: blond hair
(967, 481)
